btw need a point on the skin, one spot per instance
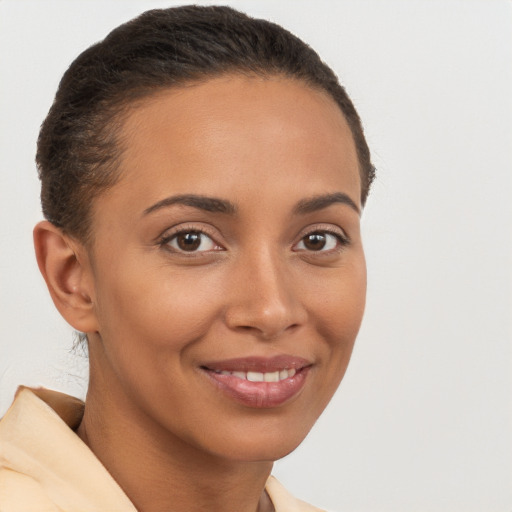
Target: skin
(154, 314)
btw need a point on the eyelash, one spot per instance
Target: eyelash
(164, 242)
(341, 241)
(167, 238)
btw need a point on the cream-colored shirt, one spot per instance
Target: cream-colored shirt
(45, 466)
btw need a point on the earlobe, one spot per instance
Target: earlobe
(64, 264)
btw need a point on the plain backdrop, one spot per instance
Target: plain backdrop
(423, 419)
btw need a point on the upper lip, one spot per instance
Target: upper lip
(258, 364)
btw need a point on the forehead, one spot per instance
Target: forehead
(236, 133)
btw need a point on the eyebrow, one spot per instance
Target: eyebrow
(320, 202)
(217, 205)
(208, 204)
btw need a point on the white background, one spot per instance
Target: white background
(423, 419)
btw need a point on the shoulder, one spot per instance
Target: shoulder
(43, 461)
(21, 493)
(24, 435)
(283, 501)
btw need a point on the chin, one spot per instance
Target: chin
(261, 453)
(265, 442)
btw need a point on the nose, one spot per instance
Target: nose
(264, 298)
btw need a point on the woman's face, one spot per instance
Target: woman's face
(227, 268)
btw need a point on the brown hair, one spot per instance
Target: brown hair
(78, 147)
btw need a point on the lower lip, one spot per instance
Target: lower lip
(262, 395)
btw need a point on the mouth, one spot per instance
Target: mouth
(276, 376)
(259, 382)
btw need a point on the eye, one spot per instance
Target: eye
(320, 241)
(191, 241)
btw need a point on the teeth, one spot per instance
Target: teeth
(262, 377)
(271, 377)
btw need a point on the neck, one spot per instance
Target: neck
(157, 470)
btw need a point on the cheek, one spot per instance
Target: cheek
(146, 312)
(340, 302)
(338, 314)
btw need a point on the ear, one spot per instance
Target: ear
(65, 266)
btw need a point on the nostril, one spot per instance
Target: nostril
(266, 316)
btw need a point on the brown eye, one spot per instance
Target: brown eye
(188, 241)
(320, 241)
(315, 241)
(191, 241)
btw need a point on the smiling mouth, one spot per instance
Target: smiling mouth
(259, 382)
(276, 376)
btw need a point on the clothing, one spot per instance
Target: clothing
(45, 466)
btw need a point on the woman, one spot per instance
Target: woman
(203, 175)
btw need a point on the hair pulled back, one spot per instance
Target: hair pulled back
(79, 147)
